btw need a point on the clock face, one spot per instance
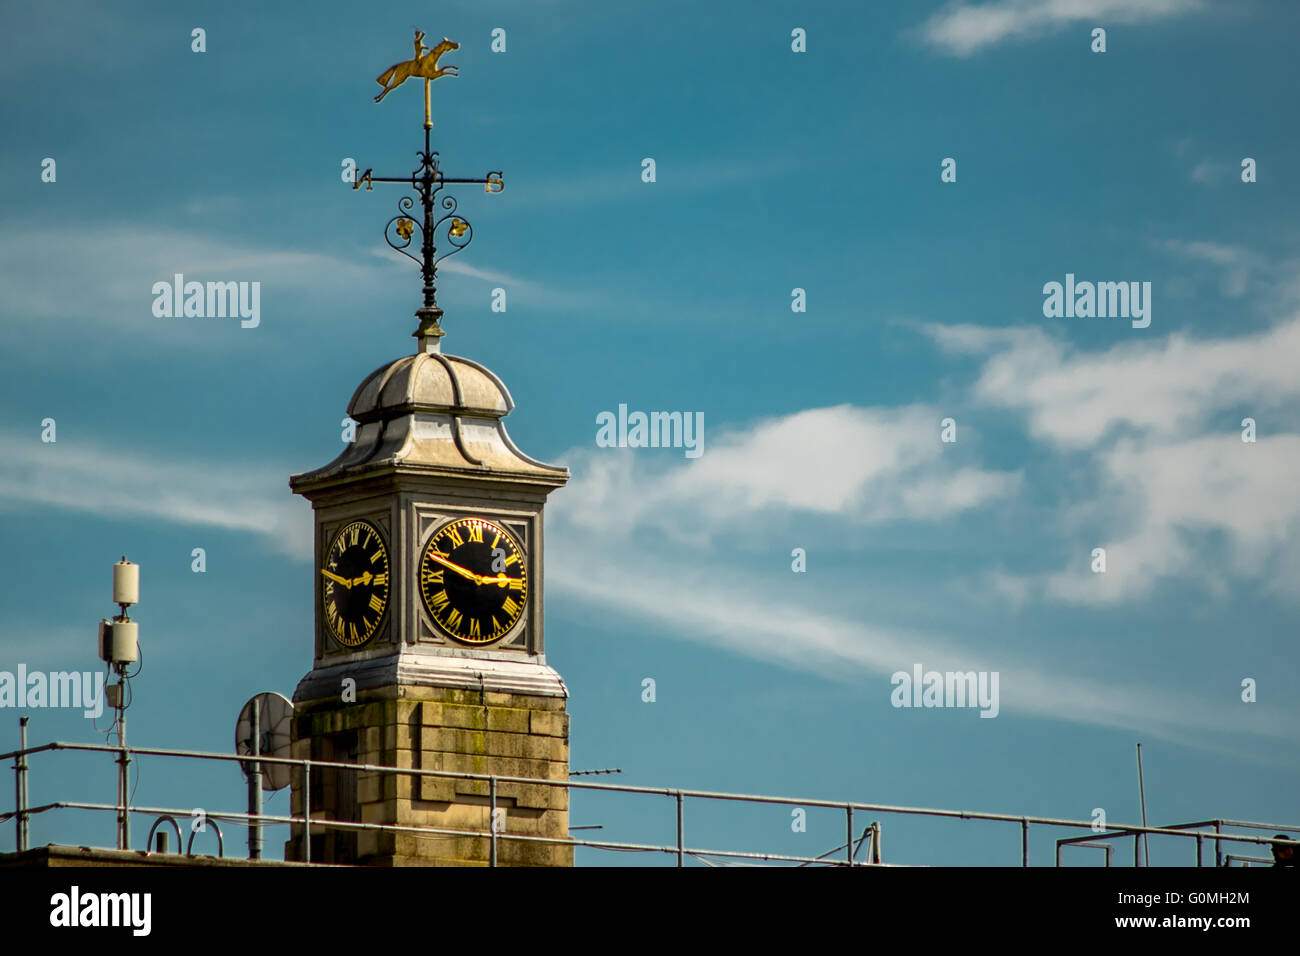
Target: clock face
(473, 581)
(356, 583)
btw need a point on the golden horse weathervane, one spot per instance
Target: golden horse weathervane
(423, 65)
(402, 230)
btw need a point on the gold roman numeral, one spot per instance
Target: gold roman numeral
(429, 576)
(476, 533)
(381, 580)
(439, 600)
(356, 533)
(474, 629)
(453, 619)
(510, 607)
(376, 603)
(456, 539)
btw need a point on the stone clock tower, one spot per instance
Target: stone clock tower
(428, 578)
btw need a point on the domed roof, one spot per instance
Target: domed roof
(436, 415)
(430, 382)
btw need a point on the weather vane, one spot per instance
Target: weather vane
(427, 181)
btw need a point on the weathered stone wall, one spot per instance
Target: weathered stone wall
(434, 728)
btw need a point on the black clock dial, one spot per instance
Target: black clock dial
(355, 594)
(473, 581)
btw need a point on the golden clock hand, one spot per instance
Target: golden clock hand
(364, 579)
(501, 580)
(465, 572)
(336, 579)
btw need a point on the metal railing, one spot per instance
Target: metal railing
(1102, 839)
(309, 824)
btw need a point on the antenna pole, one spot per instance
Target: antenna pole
(123, 772)
(255, 785)
(1142, 795)
(20, 781)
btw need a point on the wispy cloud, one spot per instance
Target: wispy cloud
(117, 265)
(1206, 172)
(674, 176)
(691, 593)
(89, 479)
(1237, 264)
(519, 290)
(962, 28)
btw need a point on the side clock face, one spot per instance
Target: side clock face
(356, 583)
(473, 581)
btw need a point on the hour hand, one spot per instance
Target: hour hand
(364, 579)
(336, 579)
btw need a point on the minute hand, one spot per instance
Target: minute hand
(465, 572)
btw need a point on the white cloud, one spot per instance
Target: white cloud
(1213, 483)
(656, 530)
(864, 464)
(1160, 421)
(115, 485)
(1166, 387)
(963, 28)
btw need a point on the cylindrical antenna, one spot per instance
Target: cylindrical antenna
(124, 645)
(126, 583)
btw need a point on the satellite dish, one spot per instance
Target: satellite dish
(274, 717)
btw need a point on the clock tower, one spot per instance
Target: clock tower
(428, 577)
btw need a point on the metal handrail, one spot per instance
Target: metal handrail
(679, 848)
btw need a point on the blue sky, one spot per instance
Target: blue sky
(775, 170)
